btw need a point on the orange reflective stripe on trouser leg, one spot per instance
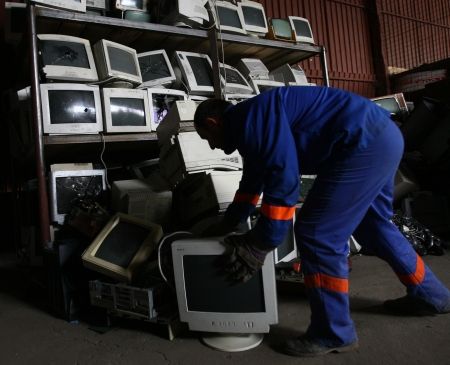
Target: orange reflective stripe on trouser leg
(416, 277)
(246, 198)
(278, 212)
(326, 282)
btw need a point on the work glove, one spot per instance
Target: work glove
(245, 257)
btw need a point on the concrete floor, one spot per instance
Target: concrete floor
(29, 335)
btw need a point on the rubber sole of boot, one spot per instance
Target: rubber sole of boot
(326, 350)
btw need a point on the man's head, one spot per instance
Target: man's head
(208, 122)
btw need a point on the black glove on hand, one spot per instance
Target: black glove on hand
(246, 257)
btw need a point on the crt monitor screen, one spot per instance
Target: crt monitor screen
(161, 104)
(253, 16)
(69, 188)
(127, 112)
(390, 104)
(63, 53)
(122, 61)
(216, 294)
(282, 28)
(202, 70)
(114, 249)
(232, 77)
(72, 106)
(229, 17)
(154, 67)
(302, 28)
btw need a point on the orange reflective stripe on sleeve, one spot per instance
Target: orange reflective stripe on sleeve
(326, 282)
(246, 198)
(277, 212)
(416, 277)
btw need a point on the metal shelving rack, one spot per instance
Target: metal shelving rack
(142, 37)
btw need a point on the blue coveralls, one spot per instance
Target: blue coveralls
(354, 148)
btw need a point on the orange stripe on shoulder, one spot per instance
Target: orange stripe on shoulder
(277, 212)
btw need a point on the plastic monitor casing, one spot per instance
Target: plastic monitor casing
(109, 93)
(393, 103)
(264, 84)
(124, 274)
(255, 322)
(288, 74)
(123, 6)
(253, 69)
(159, 81)
(70, 128)
(103, 62)
(237, 98)
(301, 37)
(252, 28)
(97, 4)
(152, 93)
(74, 5)
(69, 73)
(229, 7)
(54, 175)
(188, 73)
(289, 240)
(234, 88)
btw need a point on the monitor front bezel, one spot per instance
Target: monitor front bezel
(228, 28)
(60, 217)
(115, 271)
(188, 73)
(309, 40)
(136, 79)
(257, 322)
(254, 28)
(151, 91)
(69, 73)
(161, 81)
(108, 93)
(70, 128)
(232, 87)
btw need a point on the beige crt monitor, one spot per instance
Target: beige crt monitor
(122, 246)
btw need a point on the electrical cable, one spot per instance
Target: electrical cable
(103, 162)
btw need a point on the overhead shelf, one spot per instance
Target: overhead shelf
(97, 138)
(145, 36)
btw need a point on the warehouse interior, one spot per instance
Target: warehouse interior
(67, 185)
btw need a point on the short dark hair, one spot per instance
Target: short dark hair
(210, 108)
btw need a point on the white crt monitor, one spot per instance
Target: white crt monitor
(229, 16)
(156, 69)
(67, 58)
(233, 81)
(302, 29)
(126, 110)
(260, 86)
(71, 108)
(160, 101)
(185, 13)
(116, 62)
(206, 299)
(196, 70)
(254, 16)
(74, 5)
(253, 68)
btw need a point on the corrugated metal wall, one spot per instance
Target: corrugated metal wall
(342, 27)
(414, 32)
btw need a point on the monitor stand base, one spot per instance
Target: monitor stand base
(232, 342)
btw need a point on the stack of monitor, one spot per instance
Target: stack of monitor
(182, 13)
(290, 75)
(293, 29)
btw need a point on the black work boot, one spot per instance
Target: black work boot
(304, 347)
(413, 306)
